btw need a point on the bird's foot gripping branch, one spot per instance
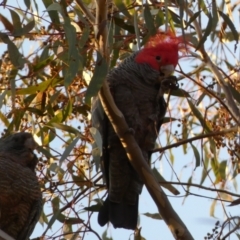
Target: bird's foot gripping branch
(169, 83)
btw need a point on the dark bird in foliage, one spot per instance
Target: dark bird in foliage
(137, 86)
(20, 194)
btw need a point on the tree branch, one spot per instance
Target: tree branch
(207, 135)
(202, 187)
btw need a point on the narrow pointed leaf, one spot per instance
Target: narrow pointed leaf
(52, 14)
(7, 24)
(28, 27)
(153, 215)
(16, 58)
(17, 31)
(192, 18)
(99, 75)
(230, 25)
(120, 22)
(68, 150)
(164, 183)
(122, 8)
(198, 115)
(149, 20)
(207, 32)
(234, 92)
(197, 156)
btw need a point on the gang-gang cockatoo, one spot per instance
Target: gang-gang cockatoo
(137, 87)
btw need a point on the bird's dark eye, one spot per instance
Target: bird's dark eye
(158, 58)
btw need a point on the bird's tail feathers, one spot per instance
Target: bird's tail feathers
(121, 215)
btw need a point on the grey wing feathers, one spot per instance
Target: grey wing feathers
(20, 194)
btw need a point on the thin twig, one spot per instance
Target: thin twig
(207, 135)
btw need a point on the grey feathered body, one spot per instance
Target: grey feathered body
(20, 194)
(135, 90)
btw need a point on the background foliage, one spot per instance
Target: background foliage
(50, 69)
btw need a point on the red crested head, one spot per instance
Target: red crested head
(161, 50)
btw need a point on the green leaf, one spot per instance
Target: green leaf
(43, 62)
(230, 25)
(197, 156)
(4, 119)
(212, 146)
(120, 22)
(81, 181)
(222, 170)
(149, 20)
(52, 14)
(67, 111)
(27, 3)
(104, 236)
(68, 150)
(215, 167)
(199, 100)
(179, 93)
(36, 111)
(198, 115)
(205, 164)
(28, 27)
(122, 8)
(138, 235)
(56, 212)
(4, 37)
(73, 56)
(153, 216)
(160, 19)
(188, 187)
(164, 183)
(174, 17)
(40, 87)
(234, 92)
(238, 235)
(169, 119)
(192, 18)
(17, 31)
(72, 221)
(71, 36)
(184, 136)
(203, 7)
(15, 57)
(84, 38)
(45, 152)
(206, 33)
(65, 128)
(55, 7)
(7, 24)
(72, 69)
(93, 208)
(2, 97)
(212, 208)
(99, 75)
(181, 4)
(17, 120)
